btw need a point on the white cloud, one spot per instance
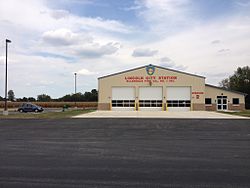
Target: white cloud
(35, 15)
(59, 14)
(144, 52)
(192, 48)
(65, 37)
(2, 59)
(168, 63)
(85, 72)
(166, 16)
(223, 50)
(96, 50)
(215, 42)
(60, 37)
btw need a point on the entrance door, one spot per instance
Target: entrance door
(221, 103)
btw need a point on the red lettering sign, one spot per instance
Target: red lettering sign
(197, 92)
(154, 79)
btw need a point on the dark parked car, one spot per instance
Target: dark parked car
(28, 107)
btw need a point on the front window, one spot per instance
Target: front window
(236, 101)
(208, 101)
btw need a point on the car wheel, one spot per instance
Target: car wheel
(36, 110)
(21, 111)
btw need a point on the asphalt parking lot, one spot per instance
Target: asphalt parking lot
(125, 153)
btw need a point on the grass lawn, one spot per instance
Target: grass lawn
(45, 115)
(245, 113)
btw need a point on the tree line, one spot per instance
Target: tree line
(91, 96)
(239, 81)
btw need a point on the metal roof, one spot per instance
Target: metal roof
(154, 66)
(238, 92)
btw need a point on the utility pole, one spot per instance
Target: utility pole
(5, 112)
(75, 81)
(75, 88)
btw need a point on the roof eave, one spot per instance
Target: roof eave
(238, 92)
(153, 65)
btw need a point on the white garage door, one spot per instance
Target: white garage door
(123, 98)
(150, 98)
(178, 98)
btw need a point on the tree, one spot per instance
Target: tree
(94, 95)
(87, 96)
(43, 98)
(239, 81)
(31, 99)
(1, 98)
(224, 83)
(11, 95)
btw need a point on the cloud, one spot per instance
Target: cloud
(223, 50)
(85, 72)
(166, 16)
(97, 50)
(215, 42)
(37, 16)
(59, 14)
(165, 59)
(168, 63)
(2, 59)
(64, 37)
(144, 52)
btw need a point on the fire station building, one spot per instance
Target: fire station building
(155, 88)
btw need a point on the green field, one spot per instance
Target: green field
(45, 115)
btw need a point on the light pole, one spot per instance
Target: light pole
(5, 112)
(75, 87)
(75, 81)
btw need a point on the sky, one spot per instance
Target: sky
(53, 39)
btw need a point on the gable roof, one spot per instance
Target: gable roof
(238, 92)
(151, 65)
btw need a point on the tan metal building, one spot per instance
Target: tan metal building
(155, 88)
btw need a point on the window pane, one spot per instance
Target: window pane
(153, 104)
(224, 101)
(159, 104)
(175, 105)
(208, 101)
(182, 105)
(236, 101)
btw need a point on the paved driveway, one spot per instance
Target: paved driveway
(104, 153)
(160, 114)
